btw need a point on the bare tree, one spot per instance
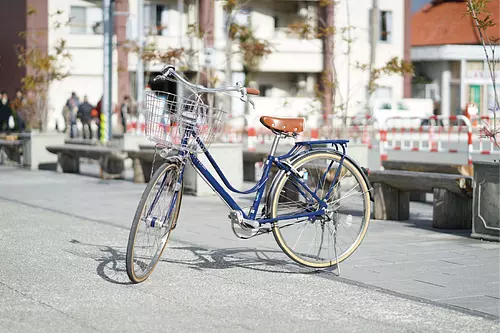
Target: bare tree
(481, 16)
(43, 67)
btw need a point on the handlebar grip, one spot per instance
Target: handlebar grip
(166, 68)
(252, 91)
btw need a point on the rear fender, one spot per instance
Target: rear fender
(281, 173)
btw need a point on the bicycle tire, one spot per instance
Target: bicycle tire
(161, 172)
(275, 195)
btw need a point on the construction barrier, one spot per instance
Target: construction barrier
(485, 126)
(455, 132)
(437, 134)
(358, 129)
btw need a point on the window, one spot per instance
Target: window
(155, 19)
(402, 106)
(385, 27)
(86, 20)
(491, 98)
(476, 95)
(383, 93)
(78, 20)
(475, 70)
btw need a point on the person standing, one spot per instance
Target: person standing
(17, 107)
(124, 112)
(98, 121)
(5, 112)
(85, 116)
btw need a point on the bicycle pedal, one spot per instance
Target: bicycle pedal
(237, 217)
(243, 228)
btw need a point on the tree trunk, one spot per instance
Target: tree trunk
(373, 49)
(229, 70)
(327, 16)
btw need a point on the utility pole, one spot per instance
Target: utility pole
(374, 31)
(180, 9)
(228, 55)
(106, 107)
(140, 64)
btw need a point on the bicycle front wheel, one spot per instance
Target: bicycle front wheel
(155, 218)
(321, 242)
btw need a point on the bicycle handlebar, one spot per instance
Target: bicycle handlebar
(170, 70)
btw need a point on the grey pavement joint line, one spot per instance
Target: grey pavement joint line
(432, 284)
(50, 307)
(63, 213)
(492, 297)
(452, 262)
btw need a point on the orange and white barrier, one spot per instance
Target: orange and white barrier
(484, 125)
(454, 131)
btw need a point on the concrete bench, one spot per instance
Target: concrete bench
(452, 206)
(143, 163)
(85, 142)
(10, 149)
(143, 159)
(110, 159)
(147, 147)
(249, 160)
(228, 156)
(452, 169)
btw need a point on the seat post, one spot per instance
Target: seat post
(275, 144)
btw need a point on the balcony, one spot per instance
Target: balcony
(294, 55)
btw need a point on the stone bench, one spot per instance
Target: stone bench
(452, 206)
(10, 149)
(85, 142)
(452, 169)
(143, 163)
(249, 160)
(110, 159)
(227, 155)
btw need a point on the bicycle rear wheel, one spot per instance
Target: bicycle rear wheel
(155, 218)
(320, 242)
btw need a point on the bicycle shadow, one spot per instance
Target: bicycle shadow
(111, 260)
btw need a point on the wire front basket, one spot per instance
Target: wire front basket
(175, 122)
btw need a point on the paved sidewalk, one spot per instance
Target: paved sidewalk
(415, 259)
(89, 219)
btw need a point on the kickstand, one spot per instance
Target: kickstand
(335, 249)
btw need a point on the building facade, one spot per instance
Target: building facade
(450, 62)
(288, 78)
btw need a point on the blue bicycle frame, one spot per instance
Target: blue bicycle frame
(260, 187)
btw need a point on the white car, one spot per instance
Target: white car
(406, 112)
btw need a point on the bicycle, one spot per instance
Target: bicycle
(305, 194)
